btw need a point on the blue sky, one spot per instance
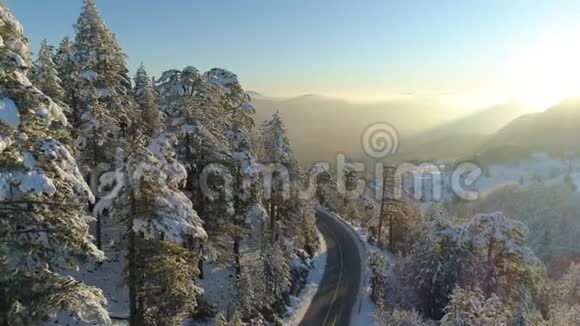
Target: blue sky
(353, 49)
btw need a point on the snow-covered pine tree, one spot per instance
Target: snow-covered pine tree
(383, 317)
(247, 196)
(249, 212)
(97, 145)
(326, 186)
(186, 92)
(297, 222)
(145, 96)
(234, 100)
(563, 302)
(164, 235)
(502, 263)
(432, 265)
(96, 129)
(348, 205)
(275, 144)
(566, 287)
(68, 71)
(43, 227)
(150, 114)
(378, 267)
(99, 55)
(403, 220)
(140, 81)
(471, 307)
(278, 156)
(103, 104)
(195, 118)
(275, 274)
(45, 74)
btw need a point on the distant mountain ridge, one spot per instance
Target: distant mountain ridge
(320, 126)
(555, 131)
(461, 136)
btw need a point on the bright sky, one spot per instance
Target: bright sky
(473, 50)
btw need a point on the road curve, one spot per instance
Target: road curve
(338, 292)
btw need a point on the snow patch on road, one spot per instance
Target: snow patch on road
(299, 305)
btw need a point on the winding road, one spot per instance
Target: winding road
(338, 292)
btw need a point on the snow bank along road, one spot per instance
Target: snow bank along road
(338, 293)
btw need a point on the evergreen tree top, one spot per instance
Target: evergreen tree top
(45, 73)
(64, 54)
(96, 46)
(141, 78)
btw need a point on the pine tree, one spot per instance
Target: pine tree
(378, 267)
(141, 81)
(566, 287)
(194, 118)
(186, 95)
(100, 58)
(150, 113)
(145, 96)
(275, 143)
(432, 266)
(45, 74)
(164, 236)
(96, 130)
(471, 307)
(68, 71)
(383, 317)
(502, 261)
(234, 99)
(277, 153)
(275, 273)
(563, 301)
(43, 227)
(103, 105)
(249, 212)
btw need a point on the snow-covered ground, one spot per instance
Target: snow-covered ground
(366, 308)
(539, 167)
(299, 305)
(109, 275)
(218, 284)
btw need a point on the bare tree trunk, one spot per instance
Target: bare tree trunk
(238, 265)
(98, 229)
(391, 233)
(381, 215)
(200, 265)
(133, 310)
(94, 169)
(237, 239)
(135, 318)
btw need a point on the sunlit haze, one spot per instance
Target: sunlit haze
(470, 52)
(290, 162)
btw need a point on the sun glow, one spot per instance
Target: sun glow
(549, 71)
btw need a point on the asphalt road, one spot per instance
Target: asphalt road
(335, 301)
